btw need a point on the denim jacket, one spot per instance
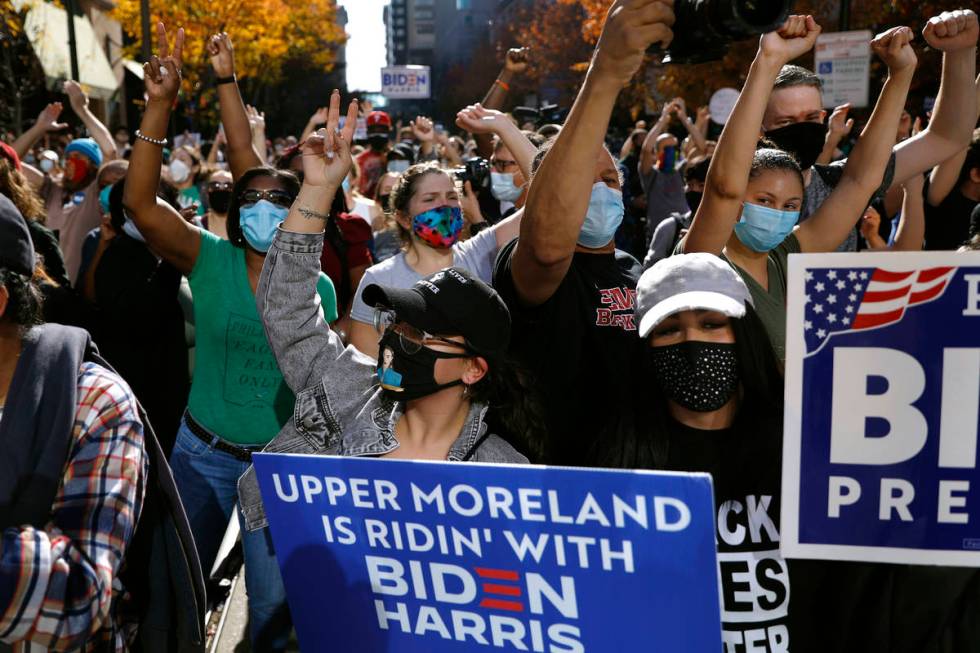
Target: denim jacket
(340, 408)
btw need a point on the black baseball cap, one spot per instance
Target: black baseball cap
(449, 302)
(16, 247)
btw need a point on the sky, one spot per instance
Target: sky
(366, 47)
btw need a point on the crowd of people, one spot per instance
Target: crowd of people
(512, 293)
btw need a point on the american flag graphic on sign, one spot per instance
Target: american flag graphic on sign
(840, 300)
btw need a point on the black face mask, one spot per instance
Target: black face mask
(700, 376)
(383, 201)
(219, 200)
(378, 142)
(804, 140)
(693, 198)
(405, 376)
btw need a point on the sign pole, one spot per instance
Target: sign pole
(845, 16)
(72, 45)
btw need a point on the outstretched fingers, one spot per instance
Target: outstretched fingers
(351, 124)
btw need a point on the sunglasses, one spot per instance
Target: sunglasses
(219, 185)
(412, 339)
(277, 197)
(503, 165)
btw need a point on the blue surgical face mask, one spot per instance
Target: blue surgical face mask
(762, 228)
(104, 198)
(259, 222)
(604, 216)
(346, 184)
(398, 166)
(503, 188)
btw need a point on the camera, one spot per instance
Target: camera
(477, 172)
(703, 29)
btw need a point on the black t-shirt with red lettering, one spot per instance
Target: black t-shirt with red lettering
(580, 347)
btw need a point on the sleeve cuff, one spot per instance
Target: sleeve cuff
(298, 243)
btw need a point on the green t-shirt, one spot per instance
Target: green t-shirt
(191, 195)
(238, 391)
(770, 304)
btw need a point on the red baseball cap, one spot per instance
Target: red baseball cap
(376, 118)
(9, 153)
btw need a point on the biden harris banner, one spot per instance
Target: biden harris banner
(882, 408)
(430, 557)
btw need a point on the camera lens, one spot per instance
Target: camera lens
(759, 12)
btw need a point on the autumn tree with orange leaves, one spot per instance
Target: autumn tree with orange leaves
(270, 36)
(562, 34)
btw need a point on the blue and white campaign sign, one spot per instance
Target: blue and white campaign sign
(406, 82)
(883, 408)
(427, 557)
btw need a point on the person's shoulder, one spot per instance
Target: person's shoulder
(103, 391)
(791, 245)
(628, 265)
(497, 450)
(387, 268)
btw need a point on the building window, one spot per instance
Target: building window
(463, 4)
(425, 28)
(425, 13)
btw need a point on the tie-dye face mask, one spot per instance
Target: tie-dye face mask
(439, 227)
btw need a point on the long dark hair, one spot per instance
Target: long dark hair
(515, 412)
(639, 438)
(290, 184)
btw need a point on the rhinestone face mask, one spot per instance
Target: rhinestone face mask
(700, 376)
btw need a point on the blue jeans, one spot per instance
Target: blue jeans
(207, 480)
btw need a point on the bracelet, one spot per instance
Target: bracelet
(502, 84)
(310, 214)
(225, 80)
(162, 142)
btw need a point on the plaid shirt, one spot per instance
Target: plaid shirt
(59, 587)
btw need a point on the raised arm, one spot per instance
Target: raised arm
(865, 168)
(649, 148)
(47, 121)
(477, 119)
(515, 63)
(256, 122)
(299, 335)
(680, 110)
(838, 128)
(728, 175)
(99, 132)
(954, 116)
(219, 138)
(165, 231)
(911, 231)
(238, 134)
(943, 177)
(319, 117)
(558, 198)
(425, 133)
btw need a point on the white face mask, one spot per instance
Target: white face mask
(503, 188)
(47, 165)
(179, 171)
